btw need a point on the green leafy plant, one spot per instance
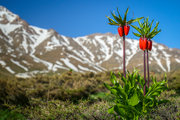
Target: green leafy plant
(130, 102)
(123, 29)
(70, 71)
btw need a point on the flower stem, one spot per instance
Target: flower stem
(144, 72)
(124, 54)
(148, 67)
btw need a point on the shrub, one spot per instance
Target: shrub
(10, 93)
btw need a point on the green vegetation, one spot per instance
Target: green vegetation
(72, 96)
(130, 102)
(11, 115)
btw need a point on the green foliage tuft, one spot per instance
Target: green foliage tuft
(144, 29)
(118, 21)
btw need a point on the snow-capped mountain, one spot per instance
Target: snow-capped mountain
(26, 49)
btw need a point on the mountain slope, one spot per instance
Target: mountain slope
(26, 49)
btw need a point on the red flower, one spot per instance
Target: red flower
(140, 43)
(144, 43)
(120, 31)
(126, 29)
(149, 45)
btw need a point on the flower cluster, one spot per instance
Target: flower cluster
(123, 30)
(145, 44)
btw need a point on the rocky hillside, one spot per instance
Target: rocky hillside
(26, 49)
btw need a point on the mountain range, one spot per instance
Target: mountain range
(27, 49)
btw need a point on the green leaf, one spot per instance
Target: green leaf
(124, 79)
(127, 87)
(130, 108)
(138, 29)
(111, 110)
(140, 94)
(120, 110)
(121, 92)
(112, 22)
(150, 26)
(136, 34)
(134, 100)
(142, 82)
(147, 20)
(116, 18)
(113, 91)
(153, 32)
(134, 20)
(125, 15)
(120, 18)
(140, 24)
(113, 78)
(107, 86)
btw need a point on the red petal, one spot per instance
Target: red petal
(140, 43)
(149, 45)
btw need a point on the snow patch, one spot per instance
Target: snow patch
(10, 70)
(30, 74)
(160, 47)
(2, 63)
(25, 62)
(18, 64)
(55, 67)
(104, 48)
(8, 28)
(8, 15)
(52, 44)
(168, 62)
(85, 69)
(76, 58)
(134, 48)
(65, 39)
(154, 54)
(13, 55)
(177, 60)
(159, 63)
(42, 34)
(46, 63)
(59, 63)
(85, 49)
(70, 65)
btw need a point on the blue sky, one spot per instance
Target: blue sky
(83, 17)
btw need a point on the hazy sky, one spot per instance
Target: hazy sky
(83, 17)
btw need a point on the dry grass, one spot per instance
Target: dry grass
(71, 96)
